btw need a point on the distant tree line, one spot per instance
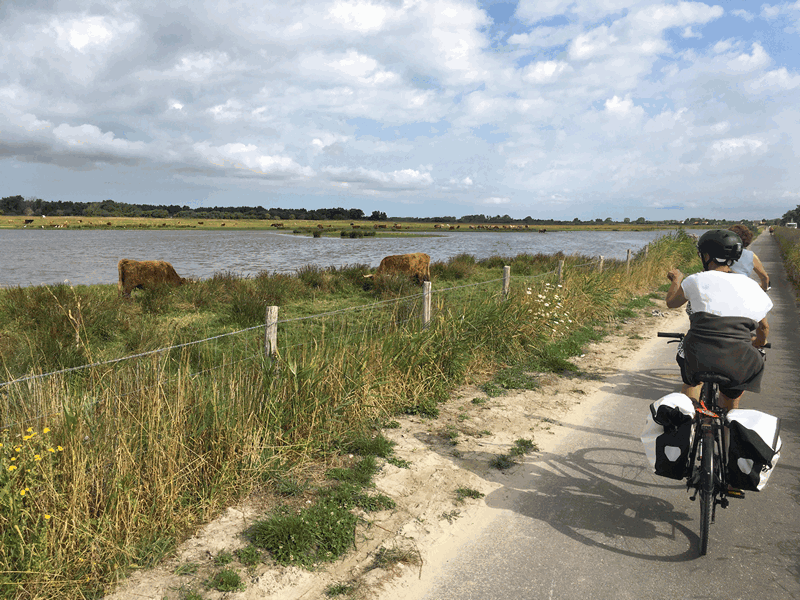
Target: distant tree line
(17, 205)
(792, 216)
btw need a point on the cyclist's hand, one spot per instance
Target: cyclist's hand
(674, 275)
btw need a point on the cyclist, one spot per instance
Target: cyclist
(727, 319)
(749, 264)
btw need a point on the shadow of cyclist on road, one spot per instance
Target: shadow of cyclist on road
(581, 495)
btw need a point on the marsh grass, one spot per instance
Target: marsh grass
(155, 446)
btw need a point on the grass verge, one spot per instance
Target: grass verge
(789, 244)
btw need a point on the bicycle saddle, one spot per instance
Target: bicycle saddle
(712, 377)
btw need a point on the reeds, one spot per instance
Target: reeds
(147, 449)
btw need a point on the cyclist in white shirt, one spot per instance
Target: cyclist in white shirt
(749, 264)
(727, 316)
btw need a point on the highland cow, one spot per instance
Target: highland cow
(145, 274)
(416, 265)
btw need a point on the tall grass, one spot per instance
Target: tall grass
(789, 243)
(133, 456)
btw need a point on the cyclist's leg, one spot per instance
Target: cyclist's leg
(688, 388)
(730, 400)
(693, 391)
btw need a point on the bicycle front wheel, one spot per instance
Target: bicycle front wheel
(706, 488)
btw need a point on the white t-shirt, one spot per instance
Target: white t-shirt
(726, 295)
(744, 265)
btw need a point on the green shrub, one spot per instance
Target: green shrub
(226, 580)
(321, 533)
(461, 266)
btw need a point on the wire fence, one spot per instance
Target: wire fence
(40, 396)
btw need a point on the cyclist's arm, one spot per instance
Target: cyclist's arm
(759, 269)
(675, 295)
(762, 332)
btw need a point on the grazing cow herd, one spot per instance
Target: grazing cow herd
(150, 274)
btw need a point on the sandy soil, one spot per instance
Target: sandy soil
(445, 454)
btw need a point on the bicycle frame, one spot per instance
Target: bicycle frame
(709, 474)
(711, 417)
(708, 458)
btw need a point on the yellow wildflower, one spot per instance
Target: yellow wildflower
(60, 449)
(37, 457)
(46, 430)
(18, 448)
(50, 450)
(29, 429)
(47, 517)
(12, 467)
(23, 492)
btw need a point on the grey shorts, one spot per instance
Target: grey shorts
(727, 392)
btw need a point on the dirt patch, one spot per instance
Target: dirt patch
(438, 495)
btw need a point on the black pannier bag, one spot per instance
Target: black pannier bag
(668, 434)
(754, 449)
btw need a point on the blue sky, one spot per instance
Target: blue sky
(548, 108)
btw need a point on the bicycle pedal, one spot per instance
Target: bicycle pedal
(734, 493)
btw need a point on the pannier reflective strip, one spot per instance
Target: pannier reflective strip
(668, 433)
(754, 449)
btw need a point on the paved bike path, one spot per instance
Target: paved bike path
(589, 519)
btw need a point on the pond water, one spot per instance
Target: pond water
(34, 257)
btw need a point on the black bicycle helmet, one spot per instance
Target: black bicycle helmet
(722, 246)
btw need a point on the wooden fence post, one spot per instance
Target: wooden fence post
(271, 333)
(560, 270)
(506, 280)
(600, 264)
(646, 248)
(426, 303)
(628, 262)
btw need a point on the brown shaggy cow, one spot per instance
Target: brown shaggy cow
(146, 274)
(417, 265)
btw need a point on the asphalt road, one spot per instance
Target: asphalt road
(589, 519)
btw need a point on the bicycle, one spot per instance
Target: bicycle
(707, 462)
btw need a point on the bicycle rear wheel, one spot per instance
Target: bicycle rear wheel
(706, 488)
